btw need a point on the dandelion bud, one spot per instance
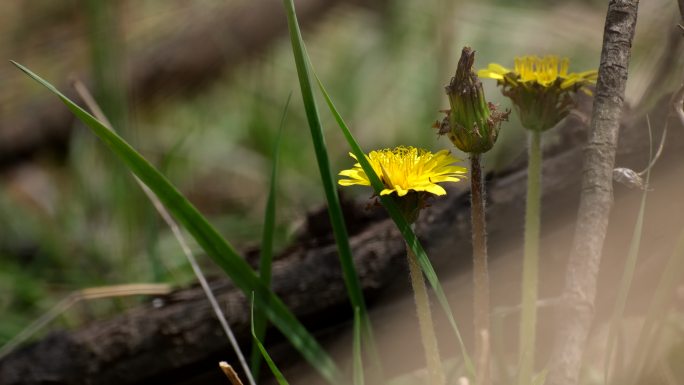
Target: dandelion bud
(473, 123)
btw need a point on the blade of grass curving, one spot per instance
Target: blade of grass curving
(351, 279)
(628, 271)
(207, 237)
(266, 253)
(404, 227)
(131, 216)
(271, 365)
(356, 349)
(90, 102)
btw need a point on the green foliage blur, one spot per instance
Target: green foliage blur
(71, 219)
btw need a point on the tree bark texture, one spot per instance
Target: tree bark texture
(577, 309)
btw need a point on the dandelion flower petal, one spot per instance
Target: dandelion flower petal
(405, 169)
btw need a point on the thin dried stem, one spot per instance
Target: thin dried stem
(81, 295)
(658, 152)
(678, 103)
(230, 373)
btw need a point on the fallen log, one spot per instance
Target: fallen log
(172, 338)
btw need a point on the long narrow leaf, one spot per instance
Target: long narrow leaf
(334, 209)
(207, 237)
(175, 229)
(356, 349)
(404, 227)
(271, 365)
(266, 254)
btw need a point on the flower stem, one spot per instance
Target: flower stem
(528, 320)
(427, 329)
(480, 270)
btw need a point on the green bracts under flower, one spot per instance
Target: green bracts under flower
(472, 123)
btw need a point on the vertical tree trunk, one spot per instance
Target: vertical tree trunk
(576, 312)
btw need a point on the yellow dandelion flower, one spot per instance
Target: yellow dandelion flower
(547, 72)
(540, 87)
(406, 169)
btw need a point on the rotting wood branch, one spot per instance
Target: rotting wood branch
(166, 339)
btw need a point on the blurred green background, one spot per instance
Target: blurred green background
(71, 217)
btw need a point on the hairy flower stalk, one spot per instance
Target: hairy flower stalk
(473, 124)
(410, 176)
(542, 92)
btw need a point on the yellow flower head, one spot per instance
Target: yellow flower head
(541, 88)
(406, 169)
(549, 71)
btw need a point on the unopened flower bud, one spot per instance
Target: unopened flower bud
(472, 124)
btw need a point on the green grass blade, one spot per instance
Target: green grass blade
(334, 209)
(624, 288)
(356, 349)
(271, 365)
(404, 227)
(628, 271)
(208, 238)
(266, 254)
